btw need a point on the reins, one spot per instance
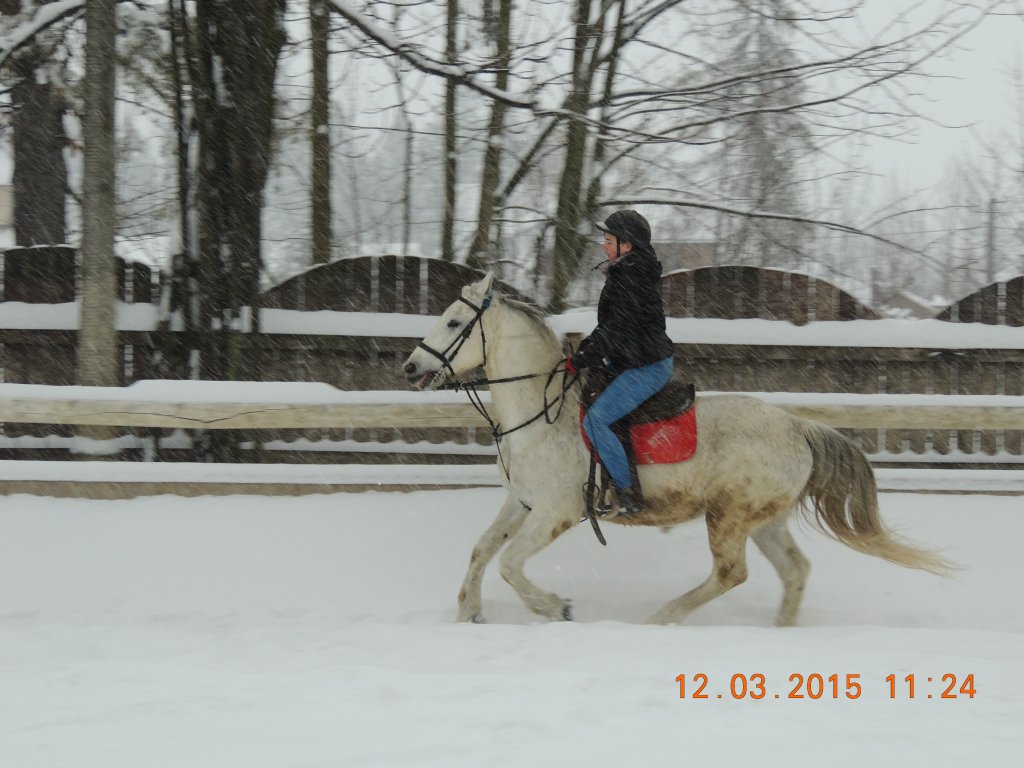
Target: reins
(470, 387)
(496, 431)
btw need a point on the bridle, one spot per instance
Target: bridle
(470, 387)
(452, 350)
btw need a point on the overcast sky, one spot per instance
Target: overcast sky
(972, 99)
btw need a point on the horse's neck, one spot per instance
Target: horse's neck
(516, 347)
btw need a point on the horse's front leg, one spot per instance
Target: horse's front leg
(542, 527)
(505, 525)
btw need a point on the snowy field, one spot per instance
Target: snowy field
(309, 632)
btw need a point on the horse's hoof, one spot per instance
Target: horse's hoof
(567, 612)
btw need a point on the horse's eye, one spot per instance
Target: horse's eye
(454, 323)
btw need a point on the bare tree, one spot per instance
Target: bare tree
(97, 344)
(620, 98)
(757, 161)
(569, 212)
(450, 129)
(499, 28)
(595, 104)
(38, 101)
(320, 137)
(184, 294)
(237, 50)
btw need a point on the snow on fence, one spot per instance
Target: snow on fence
(866, 357)
(351, 323)
(266, 405)
(284, 405)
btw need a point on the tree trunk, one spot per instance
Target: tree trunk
(601, 140)
(40, 177)
(238, 46)
(319, 29)
(184, 270)
(407, 200)
(450, 126)
(568, 244)
(238, 54)
(97, 342)
(480, 254)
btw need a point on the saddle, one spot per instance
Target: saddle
(673, 399)
(662, 430)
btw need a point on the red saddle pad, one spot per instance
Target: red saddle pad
(662, 442)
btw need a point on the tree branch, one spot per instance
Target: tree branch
(764, 215)
(45, 17)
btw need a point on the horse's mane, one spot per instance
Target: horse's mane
(532, 313)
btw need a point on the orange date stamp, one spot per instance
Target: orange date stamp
(825, 686)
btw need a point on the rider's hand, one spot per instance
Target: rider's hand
(569, 367)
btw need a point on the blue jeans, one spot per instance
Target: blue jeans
(627, 391)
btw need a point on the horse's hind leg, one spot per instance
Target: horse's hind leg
(729, 569)
(505, 525)
(776, 543)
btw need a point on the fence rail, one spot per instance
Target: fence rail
(96, 406)
(265, 405)
(117, 413)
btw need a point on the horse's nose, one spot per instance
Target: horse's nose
(409, 369)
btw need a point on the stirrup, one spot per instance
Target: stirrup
(611, 511)
(605, 511)
(625, 505)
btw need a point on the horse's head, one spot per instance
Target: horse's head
(455, 344)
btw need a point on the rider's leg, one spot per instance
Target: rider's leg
(627, 391)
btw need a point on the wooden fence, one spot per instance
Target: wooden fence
(424, 287)
(877, 370)
(401, 284)
(750, 292)
(96, 406)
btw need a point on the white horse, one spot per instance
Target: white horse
(754, 465)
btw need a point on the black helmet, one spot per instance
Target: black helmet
(629, 226)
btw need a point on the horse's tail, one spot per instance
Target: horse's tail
(843, 494)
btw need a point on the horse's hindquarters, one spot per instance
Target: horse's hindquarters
(751, 461)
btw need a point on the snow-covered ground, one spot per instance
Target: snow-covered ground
(317, 631)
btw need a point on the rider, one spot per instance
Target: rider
(629, 342)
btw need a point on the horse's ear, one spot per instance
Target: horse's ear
(482, 287)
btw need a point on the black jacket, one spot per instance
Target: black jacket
(630, 329)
